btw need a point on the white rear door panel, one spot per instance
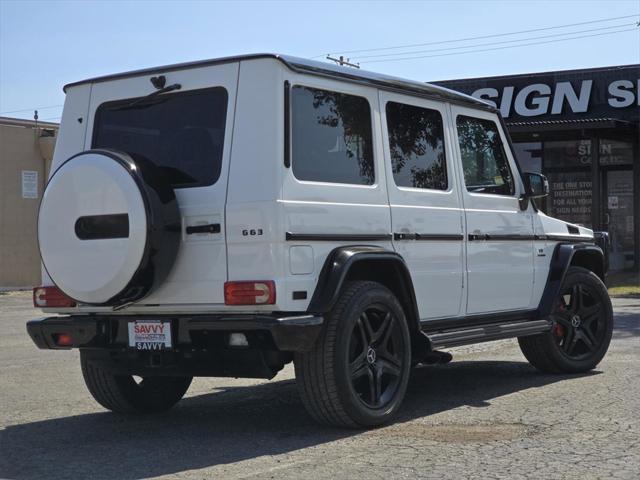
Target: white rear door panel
(200, 269)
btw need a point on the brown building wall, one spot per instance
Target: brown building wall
(20, 150)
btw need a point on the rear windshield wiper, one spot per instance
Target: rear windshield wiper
(152, 95)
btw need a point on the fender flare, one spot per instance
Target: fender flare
(561, 259)
(336, 268)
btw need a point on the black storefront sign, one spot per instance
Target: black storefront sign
(581, 128)
(612, 92)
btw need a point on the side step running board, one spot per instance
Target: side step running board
(485, 333)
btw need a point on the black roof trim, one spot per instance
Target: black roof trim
(302, 65)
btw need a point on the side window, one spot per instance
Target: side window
(484, 162)
(331, 137)
(416, 143)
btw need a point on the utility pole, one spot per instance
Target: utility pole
(341, 61)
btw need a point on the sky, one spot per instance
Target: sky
(46, 44)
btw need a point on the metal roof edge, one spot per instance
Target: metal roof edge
(24, 122)
(381, 80)
(302, 65)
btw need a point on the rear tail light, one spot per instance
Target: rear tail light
(48, 297)
(63, 339)
(262, 292)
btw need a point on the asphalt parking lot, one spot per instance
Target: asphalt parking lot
(488, 414)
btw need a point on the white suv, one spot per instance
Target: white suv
(226, 217)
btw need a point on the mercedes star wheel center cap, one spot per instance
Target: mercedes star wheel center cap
(371, 355)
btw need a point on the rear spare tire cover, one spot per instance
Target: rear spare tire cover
(108, 227)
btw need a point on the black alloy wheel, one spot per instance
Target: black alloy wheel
(357, 372)
(579, 326)
(582, 325)
(375, 356)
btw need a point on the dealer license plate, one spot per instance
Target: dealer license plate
(149, 335)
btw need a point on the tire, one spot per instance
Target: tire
(356, 375)
(582, 327)
(122, 394)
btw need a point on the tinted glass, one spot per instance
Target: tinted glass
(182, 133)
(615, 152)
(485, 165)
(567, 153)
(570, 196)
(416, 142)
(331, 137)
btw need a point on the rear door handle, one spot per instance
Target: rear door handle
(209, 228)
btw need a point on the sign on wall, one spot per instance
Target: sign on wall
(612, 92)
(29, 184)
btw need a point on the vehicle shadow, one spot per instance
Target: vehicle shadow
(231, 425)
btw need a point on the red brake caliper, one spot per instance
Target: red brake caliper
(558, 330)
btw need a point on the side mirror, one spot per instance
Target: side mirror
(536, 185)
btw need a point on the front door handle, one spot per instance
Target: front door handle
(209, 228)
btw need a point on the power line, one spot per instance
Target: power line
(502, 42)
(31, 109)
(480, 37)
(501, 48)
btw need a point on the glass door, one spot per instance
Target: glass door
(618, 218)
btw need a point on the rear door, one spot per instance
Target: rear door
(499, 232)
(334, 194)
(426, 215)
(186, 132)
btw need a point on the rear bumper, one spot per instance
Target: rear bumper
(266, 332)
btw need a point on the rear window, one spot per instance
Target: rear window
(181, 133)
(331, 137)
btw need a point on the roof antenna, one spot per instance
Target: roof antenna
(342, 62)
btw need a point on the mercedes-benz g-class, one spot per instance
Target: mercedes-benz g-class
(227, 217)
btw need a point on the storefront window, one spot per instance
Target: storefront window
(615, 152)
(529, 156)
(619, 217)
(570, 196)
(567, 153)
